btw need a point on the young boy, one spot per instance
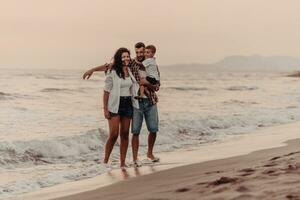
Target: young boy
(149, 74)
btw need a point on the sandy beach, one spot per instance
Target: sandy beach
(265, 174)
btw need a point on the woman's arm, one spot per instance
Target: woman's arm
(89, 73)
(108, 85)
(105, 104)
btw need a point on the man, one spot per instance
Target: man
(147, 106)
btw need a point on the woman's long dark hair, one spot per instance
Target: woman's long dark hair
(117, 64)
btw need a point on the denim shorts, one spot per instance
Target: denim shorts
(125, 108)
(149, 112)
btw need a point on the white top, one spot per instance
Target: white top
(151, 68)
(113, 86)
(125, 87)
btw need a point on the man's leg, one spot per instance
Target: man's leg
(151, 118)
(151, 142)
(135, 146)
(137, 121)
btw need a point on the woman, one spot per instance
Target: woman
(118, 98)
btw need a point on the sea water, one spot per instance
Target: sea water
(52, 128)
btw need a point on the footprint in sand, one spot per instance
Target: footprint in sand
(213, 172)
(292, 168)
(242, 189)
(292, 153)
(183, 190)
(223, 180)
(247, 171)
(270, 165)
(275, 158)
(271, 172)
(292, 197)
(246, 174)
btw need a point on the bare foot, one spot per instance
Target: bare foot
(153, 158)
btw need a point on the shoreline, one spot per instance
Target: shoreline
(264, 174)
(211, 152)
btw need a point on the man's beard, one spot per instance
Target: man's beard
(140, 58)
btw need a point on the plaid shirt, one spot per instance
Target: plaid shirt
(134, 67)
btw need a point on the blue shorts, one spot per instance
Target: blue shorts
(147, 111)
(125, 108)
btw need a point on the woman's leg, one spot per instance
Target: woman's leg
(113, 123)
(124, 134)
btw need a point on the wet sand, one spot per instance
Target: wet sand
(272, 173)
(266, 174)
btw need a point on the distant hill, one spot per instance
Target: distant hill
(249, 63)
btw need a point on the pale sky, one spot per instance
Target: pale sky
(85, 33)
